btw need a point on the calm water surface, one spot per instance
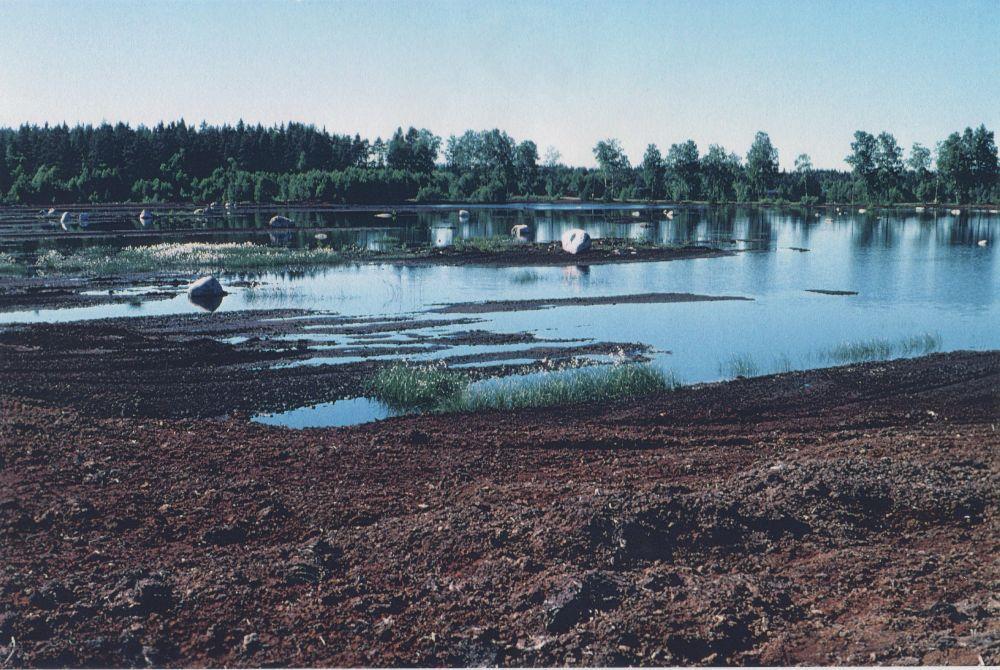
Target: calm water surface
(913, 274)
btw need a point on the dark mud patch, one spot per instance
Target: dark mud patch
(543, 303)
(23, 293)
(239, 362)
(602, 252)
(824, 291)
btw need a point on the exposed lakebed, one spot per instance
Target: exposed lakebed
(796, 286)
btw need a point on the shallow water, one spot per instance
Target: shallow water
(913, 274)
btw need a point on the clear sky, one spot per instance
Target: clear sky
(809, 72)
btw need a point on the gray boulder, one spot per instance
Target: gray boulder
(206, 286)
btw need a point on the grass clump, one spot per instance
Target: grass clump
(408, 386)
(581, 385)
(526, 277)
(9, 264)
(186, 257)
(435, 388)
(486, 245)
(880, 349)
(739, 365)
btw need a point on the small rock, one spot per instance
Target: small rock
(251, 643)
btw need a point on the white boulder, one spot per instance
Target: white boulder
(575, 241)
(279, 221)
(520, 232)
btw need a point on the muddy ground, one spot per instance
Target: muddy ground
(835, 516)
(249, 362)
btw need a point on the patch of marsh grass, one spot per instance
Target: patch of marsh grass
(435, 388)
(526, 277)
(739, 365)
(880, 349)
(9, 264)
(582, 385)
(411, 386)
(487, 245)
(187, 257)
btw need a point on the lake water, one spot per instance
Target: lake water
(913, 274)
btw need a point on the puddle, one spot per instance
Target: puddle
(329, 414)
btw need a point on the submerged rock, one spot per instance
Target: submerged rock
(281, 222)
(575, 241)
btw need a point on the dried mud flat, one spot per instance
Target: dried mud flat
(833, 516)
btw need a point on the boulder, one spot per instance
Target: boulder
(206, 287)
(279, 221)
(575, 241)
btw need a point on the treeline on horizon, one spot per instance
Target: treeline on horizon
(46, 165)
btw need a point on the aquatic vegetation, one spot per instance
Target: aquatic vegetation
(739, 365)
(590, 384)
(9, 264)
(526, 277)
(186, 257)
(270, 293)
(411, 386)
(489, 245)
(436, 388)
(782, 364)
(877, 349)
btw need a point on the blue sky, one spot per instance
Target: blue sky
(562, 73)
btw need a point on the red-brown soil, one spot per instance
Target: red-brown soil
(834, 516)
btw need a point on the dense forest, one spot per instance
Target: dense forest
(46, 165)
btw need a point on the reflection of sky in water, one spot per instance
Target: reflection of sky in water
(912, 275)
